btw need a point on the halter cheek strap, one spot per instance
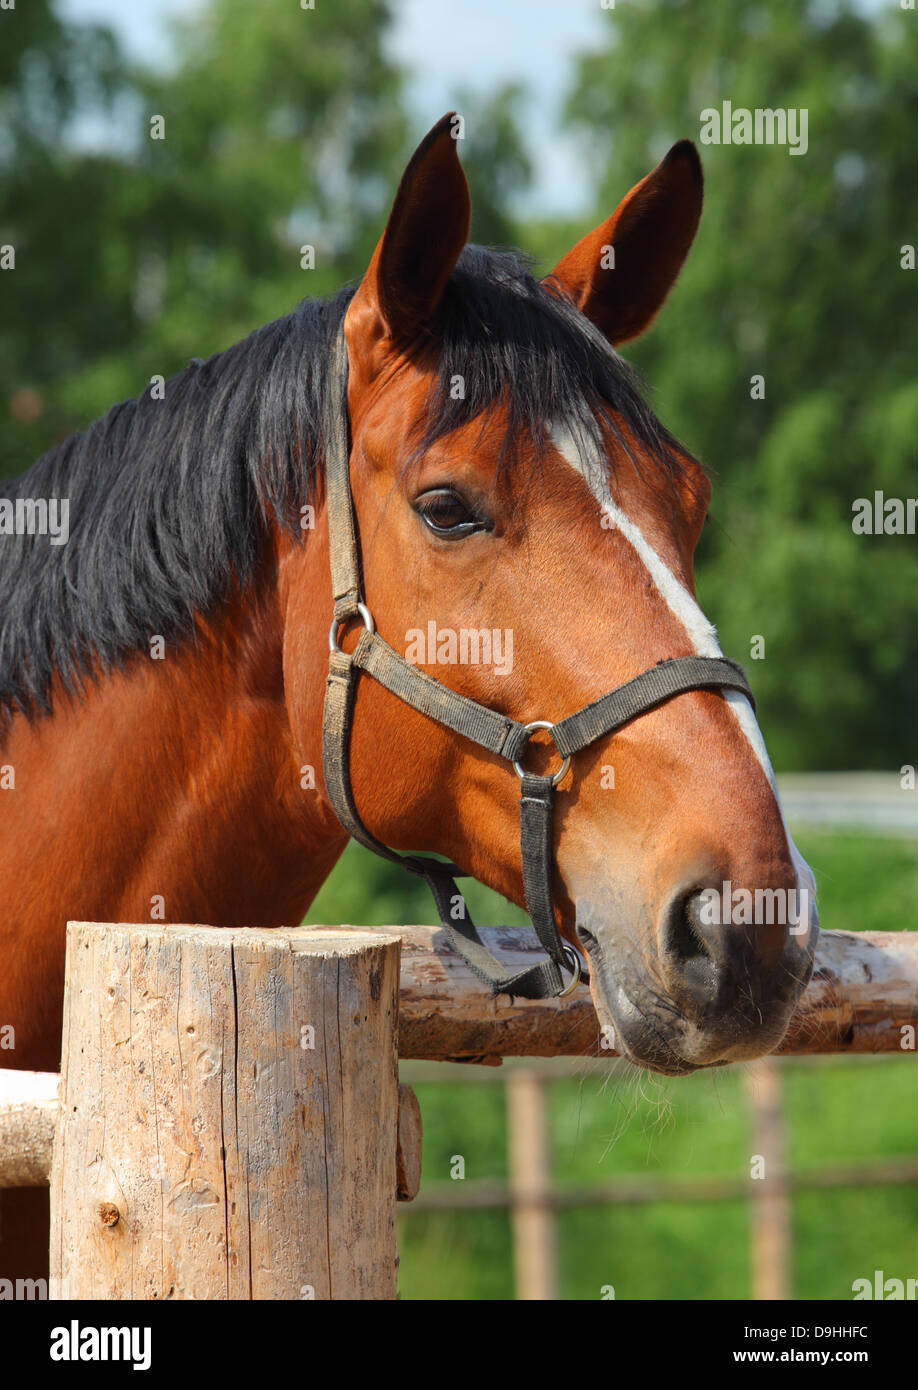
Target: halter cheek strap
(491, 730)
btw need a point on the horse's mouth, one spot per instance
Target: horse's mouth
(660, 1057)
(652, 1032)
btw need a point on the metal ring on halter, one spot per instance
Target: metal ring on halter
(565, 764)
(339, 623)
(570, 954)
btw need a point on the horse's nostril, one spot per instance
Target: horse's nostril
(692, 965)
(685, 935)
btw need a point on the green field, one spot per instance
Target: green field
(638, 1124)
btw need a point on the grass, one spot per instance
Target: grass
(864, 883)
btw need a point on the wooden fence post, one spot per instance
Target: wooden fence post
(535, 1256)
(770, 1245)
(228, 1114)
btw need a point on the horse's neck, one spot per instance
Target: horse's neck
(173, 788)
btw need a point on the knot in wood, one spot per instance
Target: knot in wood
(109, 1214)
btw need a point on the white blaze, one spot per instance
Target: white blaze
(583, 456)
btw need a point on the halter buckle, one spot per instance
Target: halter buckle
(338, 624)
(565, 762)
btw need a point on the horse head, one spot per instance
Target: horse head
(527, 531)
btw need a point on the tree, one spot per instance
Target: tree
(496, 161)
(55, 310)
(279, 130)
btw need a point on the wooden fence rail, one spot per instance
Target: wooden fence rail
(633, 1190)
(863, 998)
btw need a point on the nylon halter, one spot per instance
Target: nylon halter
(490, 729)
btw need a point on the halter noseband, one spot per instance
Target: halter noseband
(487, 727)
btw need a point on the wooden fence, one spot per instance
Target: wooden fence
(229, 1122)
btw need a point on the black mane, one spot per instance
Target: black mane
(170, 498)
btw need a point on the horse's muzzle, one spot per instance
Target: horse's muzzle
(695, 992)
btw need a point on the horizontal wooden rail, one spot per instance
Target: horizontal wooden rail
(28, 1114)
(863, 993)
(863, 998)
(628, 1190)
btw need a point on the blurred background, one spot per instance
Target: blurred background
(287, 125)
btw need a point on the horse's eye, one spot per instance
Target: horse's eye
(445, 513)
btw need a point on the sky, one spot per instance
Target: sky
(444, 44)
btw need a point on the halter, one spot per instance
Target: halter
(487, 727)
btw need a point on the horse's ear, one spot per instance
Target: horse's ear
(620, 273)
(426, 231)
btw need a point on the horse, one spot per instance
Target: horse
(162, 672)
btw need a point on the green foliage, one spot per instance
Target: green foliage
(61, 305)
(366, 891)
(496, 162)
(283, 127)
